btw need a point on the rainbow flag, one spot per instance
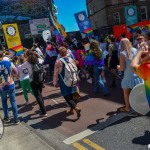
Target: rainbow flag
(60, 27)
(18, 49)
(135, 28)
(88, 31)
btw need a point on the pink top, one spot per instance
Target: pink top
(80, 54)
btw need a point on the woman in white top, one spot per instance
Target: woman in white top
(130, 79)
(23, 73)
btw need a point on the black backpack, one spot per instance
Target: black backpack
(39, 73)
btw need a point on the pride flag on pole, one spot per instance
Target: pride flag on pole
(84, 24)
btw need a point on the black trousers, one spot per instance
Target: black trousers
(51, 62)
(37, 91)
(70, 101)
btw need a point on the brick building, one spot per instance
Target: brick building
(104, 14)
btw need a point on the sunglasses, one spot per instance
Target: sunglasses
(139, 39)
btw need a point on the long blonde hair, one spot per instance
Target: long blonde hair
(126, 45)
(95, 49)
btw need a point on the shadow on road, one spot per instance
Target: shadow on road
(142, 140)
(52, 122)
(111, 121)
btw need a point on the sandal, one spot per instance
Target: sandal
(70, 112)
(124, 110)
(78, 111)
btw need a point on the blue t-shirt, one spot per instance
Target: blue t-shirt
(5, 75)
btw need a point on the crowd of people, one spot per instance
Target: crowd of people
(69, 63)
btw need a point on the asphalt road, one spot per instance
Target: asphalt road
(100, 126)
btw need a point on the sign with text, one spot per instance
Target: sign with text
(37, 26)
(12, 37)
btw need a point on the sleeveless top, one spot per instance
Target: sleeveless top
(130, 79)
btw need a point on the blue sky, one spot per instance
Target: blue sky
(66, 10)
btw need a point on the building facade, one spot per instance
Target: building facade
(107, 13)
(20, 12)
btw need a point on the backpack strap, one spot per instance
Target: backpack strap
(63, 61)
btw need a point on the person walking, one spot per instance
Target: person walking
(8, 88)
(130, 79)
(23, 75)
(96, 60)
(113, 59)
(67, 92)
(80, 57)
(35, 69)
(51, 56)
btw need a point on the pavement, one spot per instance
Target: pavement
(21, 137)
(100, 127)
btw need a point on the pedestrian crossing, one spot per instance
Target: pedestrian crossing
(89, 143)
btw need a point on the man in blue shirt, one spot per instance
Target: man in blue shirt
(7, 87)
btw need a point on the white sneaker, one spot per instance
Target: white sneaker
(83, 76)
(87, 75)
(89, 81)
(43, 115)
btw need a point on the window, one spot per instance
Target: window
(116, 18)
(143, 10)
(94, 9)
(114, 2)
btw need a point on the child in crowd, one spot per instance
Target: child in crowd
(23, 75)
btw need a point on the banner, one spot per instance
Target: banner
(83, 23)
(131, 15)
(37, 26)
(12, 37)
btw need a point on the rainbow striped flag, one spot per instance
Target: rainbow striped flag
(18, 49)
(88, 31)
(135, 28)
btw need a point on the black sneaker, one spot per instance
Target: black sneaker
(43, 114)
(6, 120)
(17, 121)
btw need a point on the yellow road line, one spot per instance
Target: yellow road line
(92, 144)
(79, 147)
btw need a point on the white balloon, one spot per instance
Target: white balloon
(138, 99)
(46, 35)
